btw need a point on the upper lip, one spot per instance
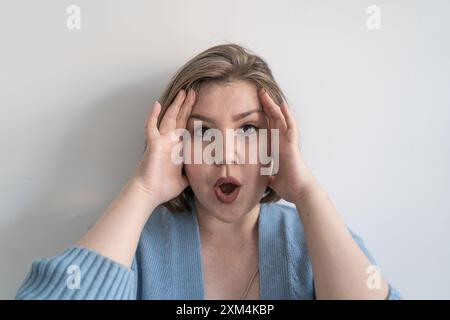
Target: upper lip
(223, 180)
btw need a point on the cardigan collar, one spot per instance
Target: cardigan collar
(272, 255)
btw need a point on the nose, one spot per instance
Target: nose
(231, 153)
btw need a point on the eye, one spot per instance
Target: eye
(247, 129)
(201, 131)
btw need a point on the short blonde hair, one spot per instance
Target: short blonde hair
(223, 63)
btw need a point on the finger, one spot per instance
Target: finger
(269, 124)
(152, 120)
(290, 121)
(186, 109)
(168, 121)
(267, 113)
(273, 110)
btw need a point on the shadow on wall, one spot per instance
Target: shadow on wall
(103, 145)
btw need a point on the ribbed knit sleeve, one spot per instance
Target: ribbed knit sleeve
(78, 273)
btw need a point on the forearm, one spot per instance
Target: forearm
(339, 265)
(116, 234)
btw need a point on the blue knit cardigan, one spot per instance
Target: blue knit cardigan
(168, 264)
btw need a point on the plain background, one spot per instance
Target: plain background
(372, 106)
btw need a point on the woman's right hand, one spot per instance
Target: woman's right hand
(156, 173)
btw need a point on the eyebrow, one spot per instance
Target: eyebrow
(235, 117)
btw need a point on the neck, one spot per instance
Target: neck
(233, 233)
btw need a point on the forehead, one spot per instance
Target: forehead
(220, 99)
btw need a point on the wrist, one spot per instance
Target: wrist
(307, 193)
(150, 196)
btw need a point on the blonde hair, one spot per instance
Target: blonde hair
(223, 63)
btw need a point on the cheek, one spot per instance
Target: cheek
(191, 171)
(264, 142)
(253, 175)
(196, 174)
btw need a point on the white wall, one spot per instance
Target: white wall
(373, 107)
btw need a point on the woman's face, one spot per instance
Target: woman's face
(217, 107)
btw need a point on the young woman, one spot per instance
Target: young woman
(215, 230)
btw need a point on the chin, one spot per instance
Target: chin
(228, 215)
(227, 212)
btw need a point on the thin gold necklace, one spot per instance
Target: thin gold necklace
(244, 295)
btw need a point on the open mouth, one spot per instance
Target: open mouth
(227, 189)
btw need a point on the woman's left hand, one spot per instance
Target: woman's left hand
(293, 179)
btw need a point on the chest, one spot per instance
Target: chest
(231, 274)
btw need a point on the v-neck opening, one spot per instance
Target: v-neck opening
(200, 257)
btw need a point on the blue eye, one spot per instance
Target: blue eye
(247, 129)
(200, 131)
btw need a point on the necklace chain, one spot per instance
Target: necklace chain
(244, 295)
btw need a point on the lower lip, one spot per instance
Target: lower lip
(226, 197)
